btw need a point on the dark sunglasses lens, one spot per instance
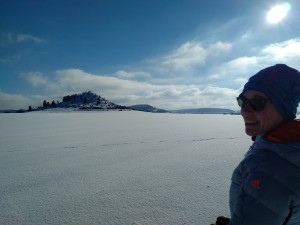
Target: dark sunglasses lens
(256, 104)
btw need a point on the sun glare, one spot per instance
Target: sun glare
(278, 13)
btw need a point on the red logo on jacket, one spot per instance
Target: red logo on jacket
(255, 184)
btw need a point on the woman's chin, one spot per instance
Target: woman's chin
(251, 131)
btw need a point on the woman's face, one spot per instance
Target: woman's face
(259, 122)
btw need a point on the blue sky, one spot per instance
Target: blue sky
(172, 54)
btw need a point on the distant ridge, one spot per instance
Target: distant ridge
(147, 108)
(205, 111)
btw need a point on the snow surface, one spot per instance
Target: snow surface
(117, 167)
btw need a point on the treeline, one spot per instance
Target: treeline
(45, 105)
(84, 98)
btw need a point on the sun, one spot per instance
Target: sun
(278, 13)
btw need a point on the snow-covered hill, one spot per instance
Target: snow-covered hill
(147, 108)
(84, 101)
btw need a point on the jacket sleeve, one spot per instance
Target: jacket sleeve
(258, 197)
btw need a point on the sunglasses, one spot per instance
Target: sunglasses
(256, 104)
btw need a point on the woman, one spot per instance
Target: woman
(265, 188)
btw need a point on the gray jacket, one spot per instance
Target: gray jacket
(265, 188)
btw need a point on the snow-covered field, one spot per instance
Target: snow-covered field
(117, 167)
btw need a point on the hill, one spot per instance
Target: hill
(205, 111)
(147, 108)
(84, 101)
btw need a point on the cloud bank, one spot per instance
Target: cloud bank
(128, 92)
(192, 76)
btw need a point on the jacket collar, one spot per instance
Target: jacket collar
(286, 132)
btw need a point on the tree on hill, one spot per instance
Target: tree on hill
(53, 104)
(67, 98)
(45, 104)
(85, 101)
(98, 100)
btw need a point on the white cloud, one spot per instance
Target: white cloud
(241, 68)
(220, 96)
(219, 48)
(133, 75)
(240, 65)
(285, 51)
(241, 80)
(76, 79)
(14, 48)
(190, 55)
(17, 101)
(35, 78)
(185, 57)
(28, 37)
(10, 59)
(128, 92)
(13, 38)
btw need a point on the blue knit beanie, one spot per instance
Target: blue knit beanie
(282, 86)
